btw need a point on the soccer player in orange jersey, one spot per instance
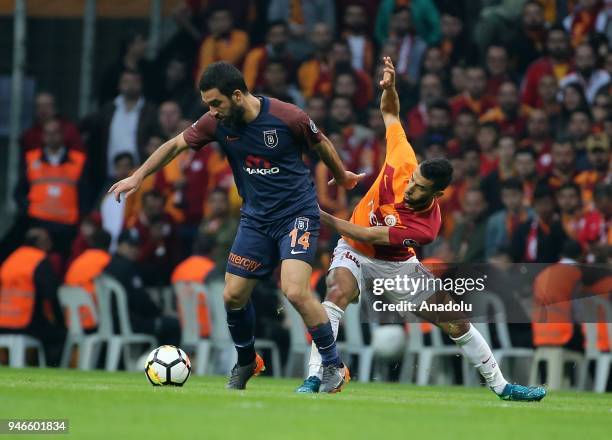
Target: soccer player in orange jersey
(399, 213)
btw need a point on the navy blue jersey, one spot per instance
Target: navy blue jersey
(266, 159)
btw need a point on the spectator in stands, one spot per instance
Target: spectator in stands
(458, 48)
(540, 239)
(122, 125)
(597, 227)
(435, 63)
(525, 166)
(464, 131)
(548, 91)
(497, 68)
(177, 86)
(223, 43)
(159, 245)
(355, 32)
(113, 214)
(475, 97)
(509, 114)
(469, 234)
(169, 119)
(303, 15)
(52, 192)
(439, 125)
(570, 209)
(274, 50)
(131, 57)
(530, 38)
(430, 91)
(85, 268)
(578, 131)
(84, 239)
(196, 269)
(587, 17)
(539, 138)
(491, 184)
(598, 155)
(486, 138)
(409, 46)
(44, 111)
(502, 225)
(316, 108)
(563, 165)
(28, 295)
(556, 62)
(145, 315)
(318, 65)
(424, 14)
(219, 224)
(276, 84)
(587, 74)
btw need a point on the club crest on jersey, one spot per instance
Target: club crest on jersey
(270, 138)
(390, 220)
(301, 224)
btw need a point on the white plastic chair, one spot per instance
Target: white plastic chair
(354, 342)
(107, 288)
(299, 347)
(17, 344)
(592, 353)
(71, 300)
(426, 354)
(188, 297)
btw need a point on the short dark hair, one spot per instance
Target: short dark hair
(440, 104)
(439, 171)
(124, 155)
(542, 191)
(223, 76)
(100, 240)
(204, 244)
(571, 185)
(512, 184)
(571, 249)
(526, 150)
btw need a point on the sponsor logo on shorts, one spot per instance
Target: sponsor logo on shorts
(352, 258)
(244, 262)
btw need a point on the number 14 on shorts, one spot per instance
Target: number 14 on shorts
(300, 236)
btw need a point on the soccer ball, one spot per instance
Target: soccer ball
(388, 342)
(167, 365)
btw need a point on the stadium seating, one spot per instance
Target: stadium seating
(299, 347)
(555, 359)
(354, 342)
(17, 346)
(108, 288)
(602, 360)
(71, 300)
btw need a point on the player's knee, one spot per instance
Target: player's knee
(297, 296)
(340, 295)
(455, 329)
(233, 299)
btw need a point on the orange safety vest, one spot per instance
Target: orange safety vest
(195, 269)
(602, 287)
(18, 291)
(81, 273)
(553, 291)
(53, 192)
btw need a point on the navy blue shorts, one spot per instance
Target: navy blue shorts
(258, 248)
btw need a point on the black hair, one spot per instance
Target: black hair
(571, 249)
(572, 185)
(440, 105)
(223, 76)
(601, 190)
(278, 22)
(439, 171)
(124, 155)
(542, 191)
(492, 125)
(526, 150)
(204, 244)
(512, 184)
(100, 239)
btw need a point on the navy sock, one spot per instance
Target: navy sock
(241, 324)
(323, 337)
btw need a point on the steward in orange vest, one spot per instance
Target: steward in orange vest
(196, 269)
(28, 295)
(554, 289)
(50, 192)
(85, 268)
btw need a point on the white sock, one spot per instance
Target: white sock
(476, 349)
(315, 364)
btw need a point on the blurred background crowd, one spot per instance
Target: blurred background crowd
(515, 93)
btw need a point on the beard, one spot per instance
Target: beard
(586, 72)
(235, 118)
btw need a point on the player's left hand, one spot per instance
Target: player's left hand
(350, 180)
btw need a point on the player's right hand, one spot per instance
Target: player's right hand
(388, 80)
(129, 186)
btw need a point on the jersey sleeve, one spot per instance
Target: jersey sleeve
(399, 150)
(304, 129)
(201, 132)
(410, 236)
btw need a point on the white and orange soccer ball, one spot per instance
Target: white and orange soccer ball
(167, 365)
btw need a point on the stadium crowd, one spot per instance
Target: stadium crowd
(515, 93)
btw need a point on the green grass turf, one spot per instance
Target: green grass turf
(124, 406)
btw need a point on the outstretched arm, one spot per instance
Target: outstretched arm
(160, 158)
(389, 102)
(372, 235)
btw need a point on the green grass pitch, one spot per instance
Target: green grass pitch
(102, 405)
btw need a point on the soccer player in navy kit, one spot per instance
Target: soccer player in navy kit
(264, 140)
